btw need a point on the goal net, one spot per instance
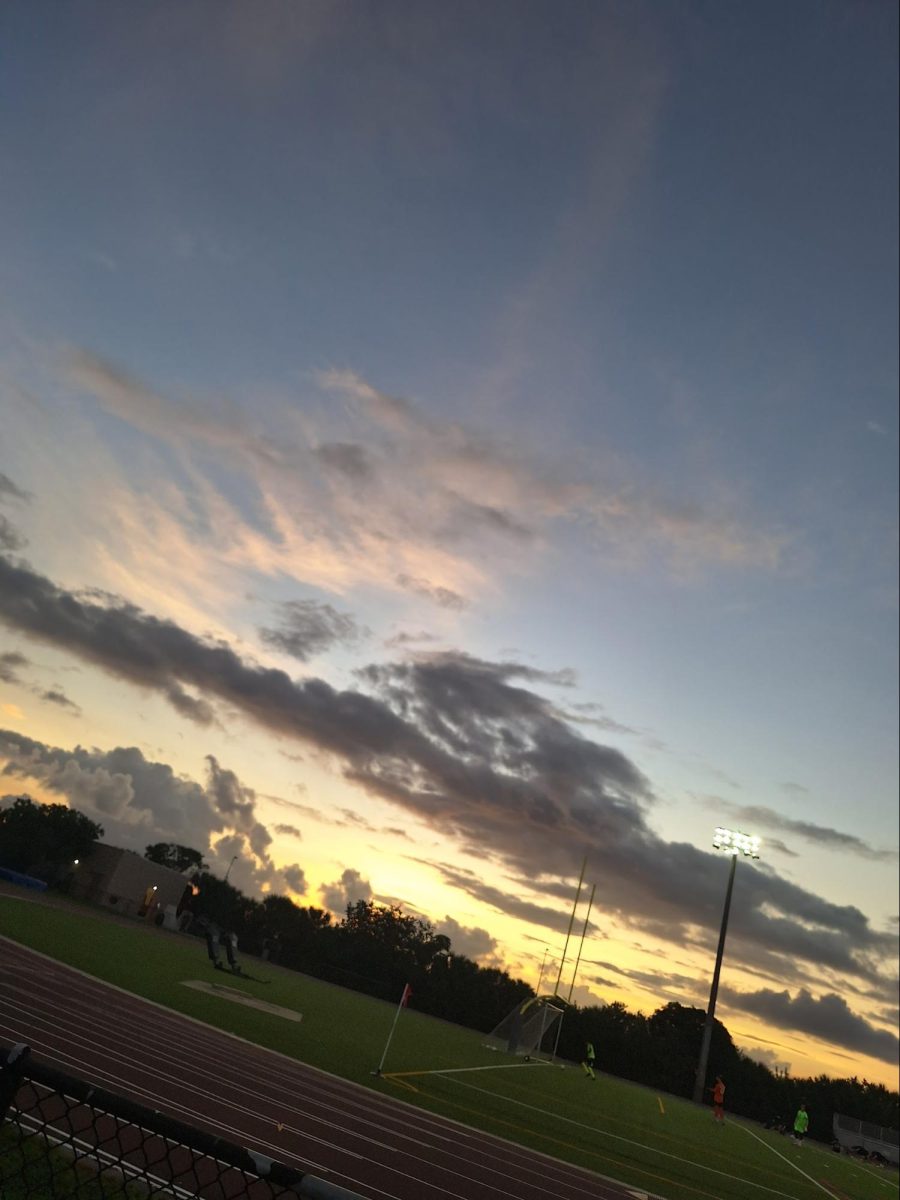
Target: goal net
(531, 1029)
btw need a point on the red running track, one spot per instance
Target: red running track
(351, 1135)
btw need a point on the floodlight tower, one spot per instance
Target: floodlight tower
(727, 841)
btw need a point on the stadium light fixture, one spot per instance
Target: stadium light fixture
(730, 841)
(735, 843)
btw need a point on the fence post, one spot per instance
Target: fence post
(11, 1073)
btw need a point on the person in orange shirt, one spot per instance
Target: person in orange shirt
(718, 1091)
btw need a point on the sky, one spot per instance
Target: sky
(443, 445)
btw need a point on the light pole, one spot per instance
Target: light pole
(230, 865)
(728, 842)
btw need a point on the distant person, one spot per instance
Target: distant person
(718, 1094)
(230, 947)
(801, 1124)
(588, 1065)
(212, 945)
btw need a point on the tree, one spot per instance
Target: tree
(179, 858)
(44, 839)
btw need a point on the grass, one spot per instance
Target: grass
(657, 1143)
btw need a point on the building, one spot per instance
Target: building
(126, 882)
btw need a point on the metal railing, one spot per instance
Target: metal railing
(63, 1137)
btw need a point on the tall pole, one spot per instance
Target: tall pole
(700, 1081)
(230, 865)
(581, 943)
(571, 923)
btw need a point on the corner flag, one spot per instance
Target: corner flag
(404, 1001)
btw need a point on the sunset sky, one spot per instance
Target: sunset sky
(441, 442)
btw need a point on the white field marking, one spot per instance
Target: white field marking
(628, 1141)
(381, 1145)
(461, 1070)
(205, 1029)
(784, 1158)
(513, 1151)
(238, 997)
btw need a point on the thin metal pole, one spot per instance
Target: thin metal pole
(700, 1080)
(581, 943)
(571, 923)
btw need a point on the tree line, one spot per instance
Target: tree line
(379, 949)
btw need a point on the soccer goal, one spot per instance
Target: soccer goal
(532, 1029)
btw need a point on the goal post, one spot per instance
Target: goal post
(530, 1030)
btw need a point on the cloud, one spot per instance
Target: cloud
(443, 597)
(343, 892)
(309, 627)
(474, 943)
(370, 490)
(10, 490)
(827, 1018)
(288, 831)
(9, 665)
(55, 696)
(471, 749)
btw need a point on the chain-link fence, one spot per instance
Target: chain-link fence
(63, 1137)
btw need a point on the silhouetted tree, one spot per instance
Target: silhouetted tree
(44, 839)
(179, 858)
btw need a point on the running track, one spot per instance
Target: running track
(352, 1136)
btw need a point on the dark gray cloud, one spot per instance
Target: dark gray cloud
(761, 817)
(442, 597)
(288, 831)
(827, 1018)
(474, 943)
(136, 800)
(10, 538)
(465, 747)
(9, 666)
(309, 627)
(55, 696)
(409, 639)
(351, 886)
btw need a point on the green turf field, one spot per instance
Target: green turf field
(655, 1142)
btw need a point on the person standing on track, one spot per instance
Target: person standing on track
(718, 1091)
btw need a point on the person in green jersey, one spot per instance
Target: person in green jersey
(588, 1064)
(801, 1123)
